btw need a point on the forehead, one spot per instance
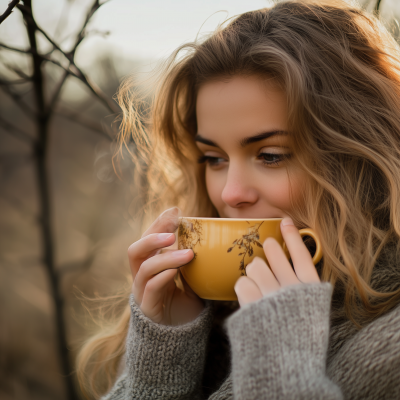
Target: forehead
(240, 106)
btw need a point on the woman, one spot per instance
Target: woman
(291, 111)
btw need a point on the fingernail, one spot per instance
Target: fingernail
(164, 236)
(180, 253)
(287, 221)
(175, 211)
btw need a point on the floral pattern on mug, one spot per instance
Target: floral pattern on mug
(246, 242)
(190, 233)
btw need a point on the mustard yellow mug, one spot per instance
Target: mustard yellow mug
(223, 247)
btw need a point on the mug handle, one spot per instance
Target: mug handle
(318, 252)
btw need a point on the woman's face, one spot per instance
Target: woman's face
(242, 133)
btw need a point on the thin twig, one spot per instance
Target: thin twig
(15, 82)
(79, 74)
(81, 35)
(17, 71)
(15, 49)
(10, 7)
(377, 6)
(111, 105)
(56, 93)
(42, 115)
(41, 158)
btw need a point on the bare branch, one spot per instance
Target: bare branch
(377, 6)
(111, 105)
(10, 7)
(17, 71)
(42, 114)
(81, 35)
(45, 202)
(15, 82)
(57, 92)
(15, 49)
(78, 40)
(97, 32)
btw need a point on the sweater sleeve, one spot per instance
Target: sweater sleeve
(367, 367)
(279, 346)
(163, 362)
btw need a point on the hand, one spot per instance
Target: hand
(154, 286)
(261, 280)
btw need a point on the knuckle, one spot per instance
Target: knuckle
(289, 229)
(250, 268)
(151, 286)
(132, 250)
(254, 265)
(171, 224)
(145, 266)
(240, 283)
(269, 244)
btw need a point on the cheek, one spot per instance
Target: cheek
(276, 192)
(215, 183)
(280, 190)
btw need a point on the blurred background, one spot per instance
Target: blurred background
(66, 218)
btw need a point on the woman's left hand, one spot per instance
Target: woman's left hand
(262, 280)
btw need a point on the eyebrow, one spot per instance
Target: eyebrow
(245, 141)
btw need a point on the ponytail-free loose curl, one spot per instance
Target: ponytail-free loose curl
(339, 68)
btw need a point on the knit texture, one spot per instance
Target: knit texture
(120, 389)
(165, 362)
(279, 345)
(279, 349)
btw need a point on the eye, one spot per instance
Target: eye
(273, 158)
(212, 161)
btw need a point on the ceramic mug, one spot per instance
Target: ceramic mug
(223, 247)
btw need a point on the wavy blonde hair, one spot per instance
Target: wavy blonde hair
(340, 70)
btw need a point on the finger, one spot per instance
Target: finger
(154, 265)
(247, 291)
(153, 297)
(168, 221)
(147, 247)
(279, 264)
(301, 257)
(263, 277)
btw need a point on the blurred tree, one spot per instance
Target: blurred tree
(41, 111)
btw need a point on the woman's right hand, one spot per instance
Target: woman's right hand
(154, 287)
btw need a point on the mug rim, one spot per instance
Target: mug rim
(233, 219)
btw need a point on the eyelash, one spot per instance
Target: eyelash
(212, 160)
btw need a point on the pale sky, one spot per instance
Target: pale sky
(139, 29)
(144, 29)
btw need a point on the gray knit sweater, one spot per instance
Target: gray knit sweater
(282, 347)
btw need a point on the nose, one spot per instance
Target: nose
(239, 190)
